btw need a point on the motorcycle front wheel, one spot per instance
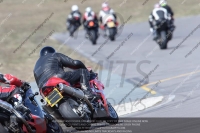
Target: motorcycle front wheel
(2, 129)
(113, 118)
(53, 126)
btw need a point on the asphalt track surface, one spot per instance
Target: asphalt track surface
(171, 69)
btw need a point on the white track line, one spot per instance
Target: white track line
(135, 106)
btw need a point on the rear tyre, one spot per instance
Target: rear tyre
(93, 36)
(69, 111)
(113, 118)
(112, 33)
(163, 43)
(53, 126)
(71, 30)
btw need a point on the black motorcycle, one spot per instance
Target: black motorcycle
(92, 31)
(74, 24)
(38, 121)
(72, 29)
(163, 33)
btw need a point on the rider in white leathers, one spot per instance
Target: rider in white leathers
(105, 14)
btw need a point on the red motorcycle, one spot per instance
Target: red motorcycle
(38, 121)
(69, 104)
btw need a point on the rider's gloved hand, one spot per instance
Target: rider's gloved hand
(102, 27)
(25, 86)
(92, 75)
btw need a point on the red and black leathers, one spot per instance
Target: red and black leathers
(53, 64)
(13, 82)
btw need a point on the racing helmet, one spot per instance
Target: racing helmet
(46, 50)
(74, 8)
(88, 9)
(163, 2)
(105, 6)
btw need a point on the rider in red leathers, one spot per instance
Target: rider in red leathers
(89, 15)
(12, 93)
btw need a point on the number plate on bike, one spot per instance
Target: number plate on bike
(54, 97)
(111, 24)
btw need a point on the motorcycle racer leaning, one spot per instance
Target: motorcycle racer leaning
(88, 16)
(74, 17)
(52, 64)
(12, 93)
(106, 10)
(159, 16)
(163, 3)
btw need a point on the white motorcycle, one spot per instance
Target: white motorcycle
(109, 22)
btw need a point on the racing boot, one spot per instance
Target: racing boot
(88, 92)
(155, 35)
(85, 85)
(86, 34)
(172, 28)
(91, 95)
(172, 25)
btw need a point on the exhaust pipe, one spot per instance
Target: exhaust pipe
(9, 107)
(76, 93)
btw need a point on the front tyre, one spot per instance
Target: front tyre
(69, 111)
(53, 126)
(113, 118)
(163, 43)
